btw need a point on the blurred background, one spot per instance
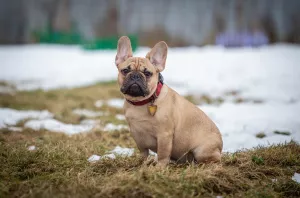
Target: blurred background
(97, 23)
(61, 107)
(238, 61)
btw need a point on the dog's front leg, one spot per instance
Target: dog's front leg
(164, 149)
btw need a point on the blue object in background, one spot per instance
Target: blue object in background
(242, 39)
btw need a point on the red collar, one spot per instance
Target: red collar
(151, 99)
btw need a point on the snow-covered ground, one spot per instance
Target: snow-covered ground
(89, 113)
(38, 120)
(117, 151)
(10, 117)
(239, 123)
(268, 74)
(113, 127)
(57, 126)
(114, 102)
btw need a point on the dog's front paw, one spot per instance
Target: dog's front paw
(162, 163)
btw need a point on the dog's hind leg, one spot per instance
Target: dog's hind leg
(207, 154)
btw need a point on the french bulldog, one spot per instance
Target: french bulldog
(158, 117)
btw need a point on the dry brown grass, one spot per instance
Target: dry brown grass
(59, 168)
(61, 102)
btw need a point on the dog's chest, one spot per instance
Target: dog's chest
(140, 120)
(143, 126)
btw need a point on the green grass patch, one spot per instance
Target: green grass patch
(204, 99)
(258, 160)
(261, 135)
(4, 84)
(282, 132)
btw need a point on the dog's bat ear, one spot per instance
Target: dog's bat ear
(158, 55)
(124, 50)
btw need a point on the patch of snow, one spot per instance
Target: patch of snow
(116, 103)
(10, 117)
(239, 123)
(40, 120)
(274, 180)
(99, 103)
(152, 153)
(123, 151)
(110, 156)
(94, 158)
(120, 117)
(89, 113)
(89, 122)
(113, 127)
(296, 177)
(31, 148)
(57, 126)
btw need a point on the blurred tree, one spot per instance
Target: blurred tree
(179, 22)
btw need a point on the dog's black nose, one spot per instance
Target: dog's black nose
(135, 76)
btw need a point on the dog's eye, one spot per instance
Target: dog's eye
(147, 73)
(125, 71)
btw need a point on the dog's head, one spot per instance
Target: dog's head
(138, 77)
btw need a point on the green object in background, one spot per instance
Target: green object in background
(105, 43)
(109, 43)
(57, 37)
(60, 37)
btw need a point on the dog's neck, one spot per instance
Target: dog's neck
(150, 99)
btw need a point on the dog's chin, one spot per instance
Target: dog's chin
(138, 98)
(135, 99)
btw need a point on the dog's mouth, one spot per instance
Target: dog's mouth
(135, 85)
(135, 89)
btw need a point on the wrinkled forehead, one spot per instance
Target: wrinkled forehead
(137, 63)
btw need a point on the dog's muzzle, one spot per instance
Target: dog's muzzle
(135, 85)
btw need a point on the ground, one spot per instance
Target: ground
(57, 124)
(59, 166)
